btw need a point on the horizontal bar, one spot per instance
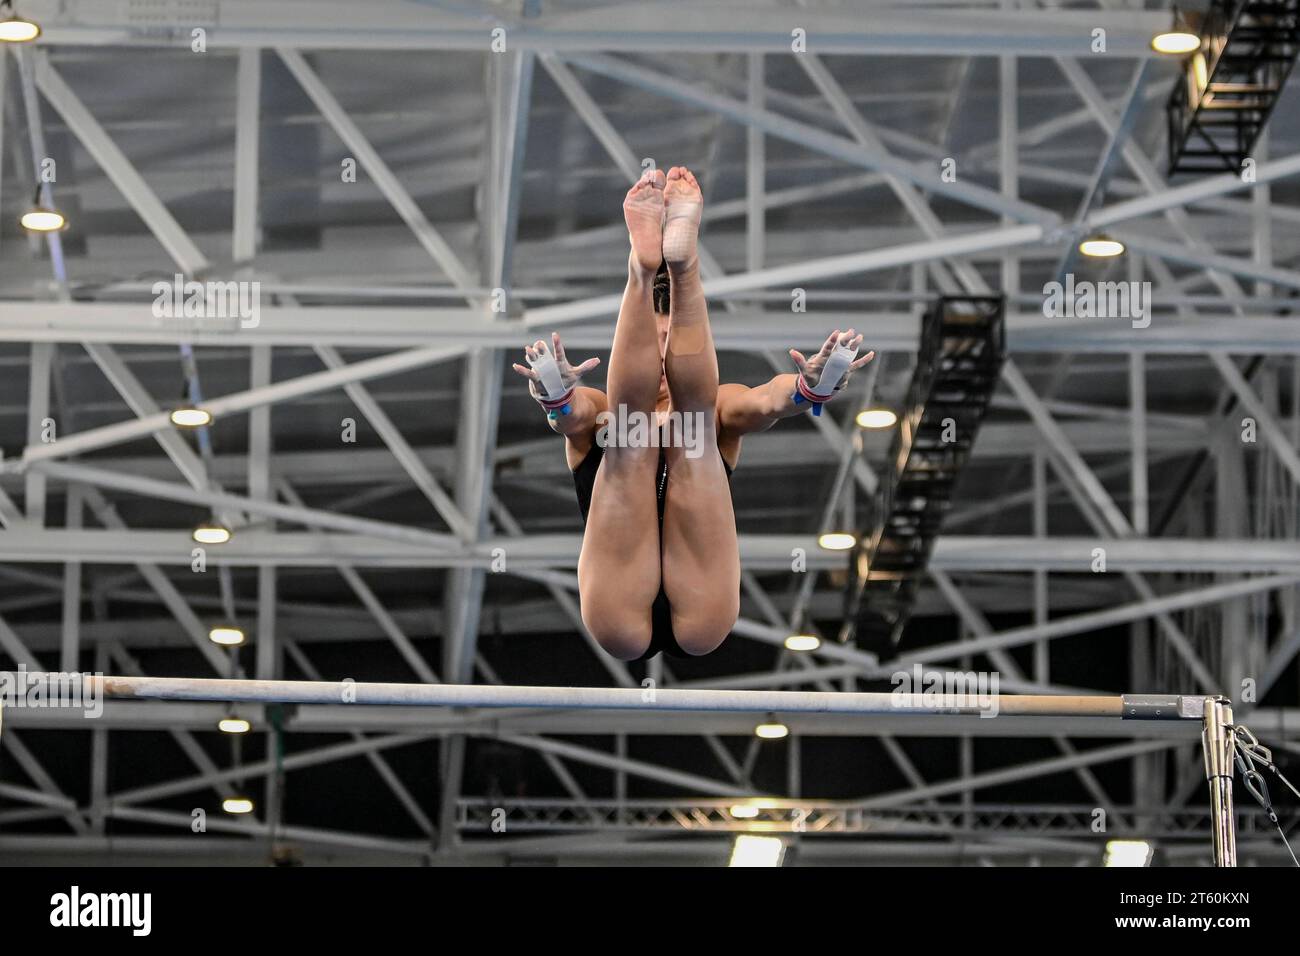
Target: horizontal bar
(593, 698)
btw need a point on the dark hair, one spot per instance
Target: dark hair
(661, 287)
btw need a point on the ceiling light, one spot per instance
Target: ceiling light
(876, 418)
(1127, 853)
(802, 642)
(750, 850)
(211, 534)
(1101, 247)
(16, 29)
(1175, 42)
(226, 635)
(42, 219)
(191, 417)
(744, 811)
(234, 725)
(237, 805)
(837, 540)
(1178, 40)
(772, 730)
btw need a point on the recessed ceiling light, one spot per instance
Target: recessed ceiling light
(750, 850)
(876, 418)
(1175, 42)
(42, 219)
(1101, 247)
(191, 417)
(16, 29)
(234, 725)
(226, 635)
(837, 540)
(211, 534)
(1127, 853)
(1178, 40)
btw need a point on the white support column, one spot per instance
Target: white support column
(1231, 519)
(509, 82)
(1009, 158)
(38, 416)
(755, 171)
(1137, 388)
(1042, 649)
(1261, 199)
(99, 755)
(260, 448)
(4, 104)
(70, 643)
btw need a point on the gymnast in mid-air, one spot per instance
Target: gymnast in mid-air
(660, 566)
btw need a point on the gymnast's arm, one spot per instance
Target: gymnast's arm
(573, 409)
(742, 410)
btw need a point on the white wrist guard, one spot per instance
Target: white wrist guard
(837, 366)
(549, 387)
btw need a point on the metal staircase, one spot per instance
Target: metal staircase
(1230, 86)
(963, 345)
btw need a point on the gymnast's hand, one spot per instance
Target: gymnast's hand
(537, 353)
(811, 369)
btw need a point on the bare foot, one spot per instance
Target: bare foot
(684, 206)
(643, 208)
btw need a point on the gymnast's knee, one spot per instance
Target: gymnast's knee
(622, 633)
(701, 633)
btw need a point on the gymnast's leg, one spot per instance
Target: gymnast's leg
(701, 558)
(618, 569)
